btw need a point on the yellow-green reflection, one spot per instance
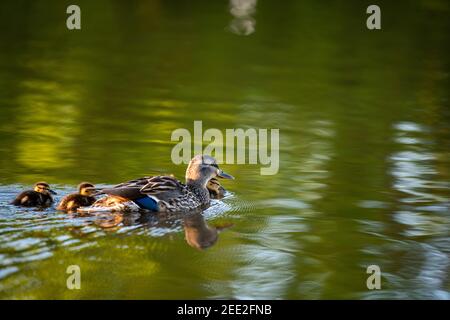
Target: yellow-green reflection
(364, 134)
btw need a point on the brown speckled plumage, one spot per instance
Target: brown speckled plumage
(165, 192)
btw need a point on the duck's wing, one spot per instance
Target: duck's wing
(139, 182)
(128, 190)
(164, 188)
(160, 187)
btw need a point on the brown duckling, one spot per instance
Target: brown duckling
(40, 196)
(83, 198)
(216, 191)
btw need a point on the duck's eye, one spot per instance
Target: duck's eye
(215, 165)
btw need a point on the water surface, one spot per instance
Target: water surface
(364, 147)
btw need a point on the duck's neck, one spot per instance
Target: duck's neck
(198, 186)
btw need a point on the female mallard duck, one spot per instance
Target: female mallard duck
(40, 196)
(163, 193)
(83, 198)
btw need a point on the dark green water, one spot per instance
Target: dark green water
(364, 147)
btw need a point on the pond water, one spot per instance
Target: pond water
(364, 147)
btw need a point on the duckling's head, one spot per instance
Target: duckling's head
(86, 189)
(43, 187)
(203, 168)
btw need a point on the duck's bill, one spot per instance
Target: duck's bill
(51, 191)
(225, 175)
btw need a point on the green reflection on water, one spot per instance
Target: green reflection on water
(355, 110)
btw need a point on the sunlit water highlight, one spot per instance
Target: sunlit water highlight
(364, 147)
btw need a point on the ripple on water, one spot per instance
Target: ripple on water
(28, 234)
(4, 272)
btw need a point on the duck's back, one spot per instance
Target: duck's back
(174, 196)
(158, 193)
(31, 198)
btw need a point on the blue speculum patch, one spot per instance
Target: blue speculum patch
(147, 203)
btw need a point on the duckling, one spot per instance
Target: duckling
(216, 191)
(83, 198)
(41, 196)
(163, 193)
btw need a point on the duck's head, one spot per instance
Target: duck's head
(203, 168)
(43, 187)
(86, 189)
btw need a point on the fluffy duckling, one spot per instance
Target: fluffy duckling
(83, 198)
(40, 196)
(216, 191)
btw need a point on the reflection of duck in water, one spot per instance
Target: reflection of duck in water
(110, 220)
(164, 193)
(83, 198)
(40, 196)
(198, 233)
